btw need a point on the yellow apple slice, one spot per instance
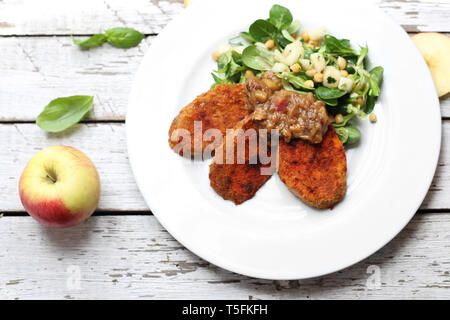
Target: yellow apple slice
(187, 2)
(435, 48)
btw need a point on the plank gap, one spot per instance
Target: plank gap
(102, 213)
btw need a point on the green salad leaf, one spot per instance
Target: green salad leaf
(287, 35)
(63, 113)
(94, 41)
(374, 91)
(258, 58)
(353, 134)
(329, 95)
(230, 64)
(262, 30)
(280, 17)
(247, 37)
(348, 134)
(376, 74)
(293, 27)
(338, 47)
(298, 81)
(363, 85)
(342, 134)
(362, 55)
(124, 37)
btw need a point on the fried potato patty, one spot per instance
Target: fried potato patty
(234, 181)
(220, 108)
(315, 173)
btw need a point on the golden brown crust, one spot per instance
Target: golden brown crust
(237, 182)
(315, 173)
(220, 108)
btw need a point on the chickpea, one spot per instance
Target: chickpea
(298, 37)
(342, 63)
(305, 36)
(273, 85)
(311, 72)
(261, 96)
(373, 117)
(216, 55)
(315, 43)
(344, 73)
(318, 77)
(309, 84)
(339, 118)
(360, 101)
(296, 67)
(249, 74)
(270, 44)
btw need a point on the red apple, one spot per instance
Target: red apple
(60, 187)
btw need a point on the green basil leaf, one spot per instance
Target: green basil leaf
(262, 30)
(339, 47)
(124, 37)
(280, 17)
(329, 93)
(258, 58)
(95, 41)
(63, 113)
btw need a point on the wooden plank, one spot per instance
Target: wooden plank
(53, 17)
(419, 16)
(127, 257)
(38, 69)
(105, 143)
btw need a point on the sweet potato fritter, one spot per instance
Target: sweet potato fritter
(220, 108)
(234, 181)
(315, 173)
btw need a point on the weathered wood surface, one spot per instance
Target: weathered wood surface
(105, 143)
(55, 17)
(36, 70)
(125, 257)
(122, 255)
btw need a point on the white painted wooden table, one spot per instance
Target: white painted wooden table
(122, 251)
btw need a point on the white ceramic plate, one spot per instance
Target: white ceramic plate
(274, 235)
